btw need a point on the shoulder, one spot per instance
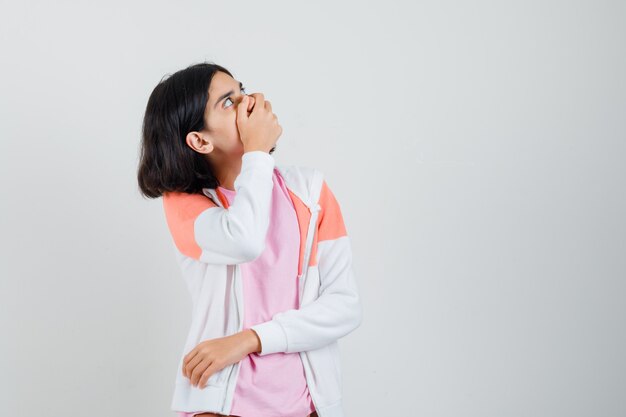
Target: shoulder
(179, 204)
(181, 211)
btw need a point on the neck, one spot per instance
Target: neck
(227, 171)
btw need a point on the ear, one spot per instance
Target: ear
(199, 143)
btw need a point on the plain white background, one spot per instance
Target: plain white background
(477, 151)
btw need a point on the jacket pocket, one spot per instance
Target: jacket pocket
(335, 354)
(325, 375)
(218, 378)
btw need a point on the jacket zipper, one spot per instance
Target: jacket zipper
(301, 281)
(314, 209)
(308, 249)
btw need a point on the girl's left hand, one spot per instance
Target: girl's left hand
(212, 355)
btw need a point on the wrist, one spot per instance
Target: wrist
(253, 149)
(253, 341)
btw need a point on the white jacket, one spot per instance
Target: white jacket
(211, 238)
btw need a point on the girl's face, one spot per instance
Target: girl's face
(220, 138)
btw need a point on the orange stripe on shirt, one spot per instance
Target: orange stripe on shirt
(181, 211)
(303, 215)
(330, 221)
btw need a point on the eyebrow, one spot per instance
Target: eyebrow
(223, 96)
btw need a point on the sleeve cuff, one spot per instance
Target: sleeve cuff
(258, 158)
(273, 337)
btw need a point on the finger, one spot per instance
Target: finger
(259, 100)
(189, 357)
(198, 371)
(191, 366)
(242, 109)
(268, 105)
(207, 374)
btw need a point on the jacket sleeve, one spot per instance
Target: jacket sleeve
(337, 311)
(209, 233)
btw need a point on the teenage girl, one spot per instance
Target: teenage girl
(199, 142)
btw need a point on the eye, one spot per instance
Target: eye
(243, 89)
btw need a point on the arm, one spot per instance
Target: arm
(212, 234)
(337, 311)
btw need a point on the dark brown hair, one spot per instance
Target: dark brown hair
(176, 107)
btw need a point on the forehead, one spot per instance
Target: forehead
(220, 83)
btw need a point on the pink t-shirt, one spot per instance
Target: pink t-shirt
(272, 385)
